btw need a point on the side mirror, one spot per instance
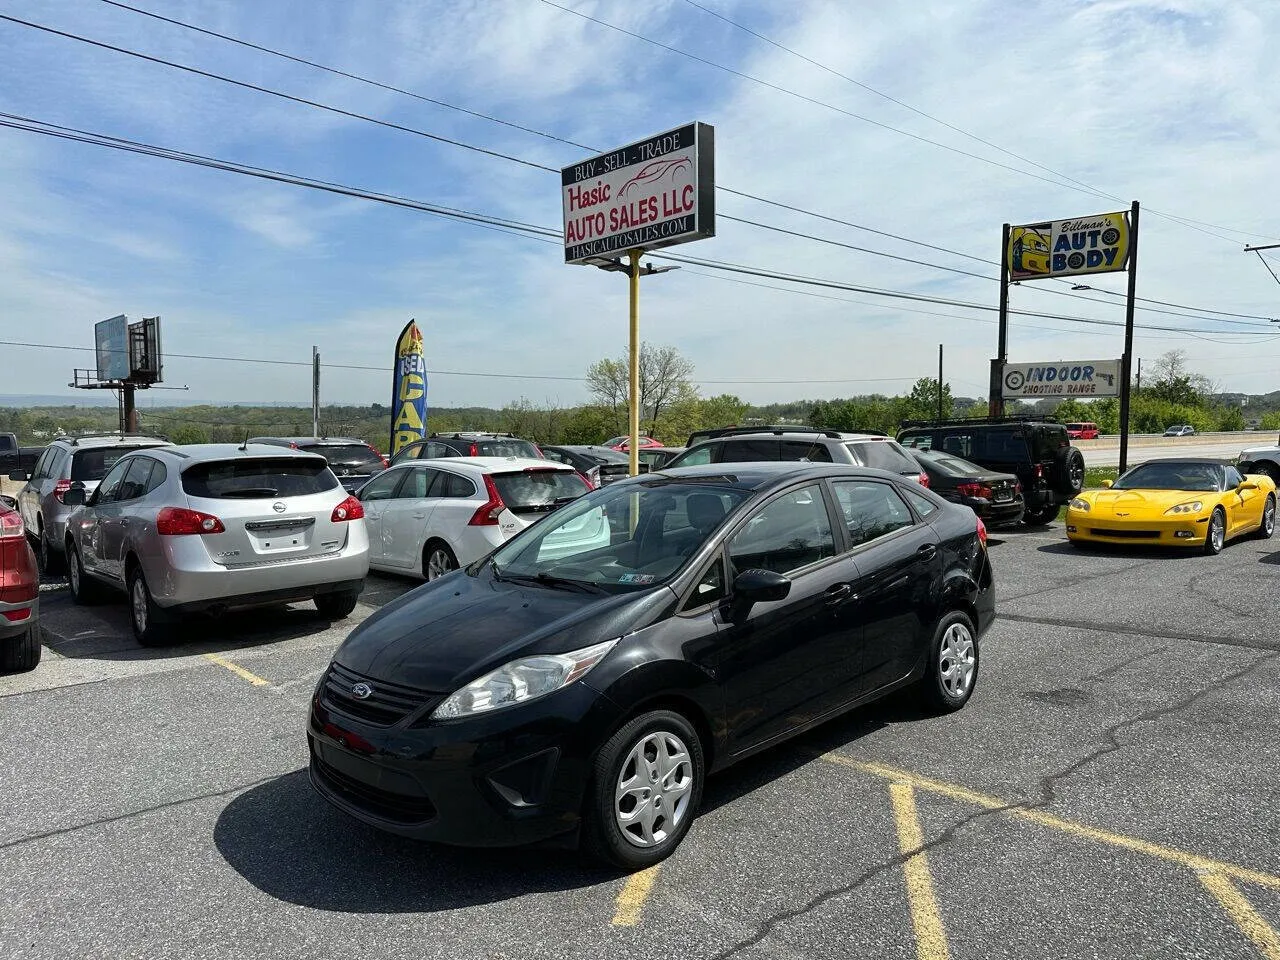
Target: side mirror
(760, 586)
(1107, 483)
(74, 497)
(1247, 485)
(18, 475)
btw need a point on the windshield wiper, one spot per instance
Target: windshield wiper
(551, 580)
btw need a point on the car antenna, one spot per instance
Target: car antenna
(244, 447)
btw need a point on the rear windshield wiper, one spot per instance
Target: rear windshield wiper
(250, 492)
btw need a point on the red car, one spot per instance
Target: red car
(19, 594)
(1082, 431)
(622, 443)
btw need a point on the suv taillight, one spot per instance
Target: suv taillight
(60, 489)
(11, 527)
(487, 515)
(348, 509)
(181, 522)
(1039, 471)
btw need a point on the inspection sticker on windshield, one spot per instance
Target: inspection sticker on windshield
(637, 578)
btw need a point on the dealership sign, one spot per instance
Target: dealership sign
(1066, 378)
(1066, 248)
(653, 193)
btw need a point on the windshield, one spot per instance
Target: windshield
(656, 527)
(1171, 476)
(507, 448)
(257, 478)
(348, 455)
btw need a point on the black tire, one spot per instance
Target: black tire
(1069, 471)
(337, 605)
(437, 560)
(152, 627)
(1267, 469)
(951, 673)
(23, 653)
(1268, 525)
(1215, 539)
(1047, 512)
(51, 562)
(602, 836)
(84, 589)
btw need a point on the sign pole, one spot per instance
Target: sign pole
(315, 391)
(939, 381)
(633, 447)
(995, 404)
(1127, 359)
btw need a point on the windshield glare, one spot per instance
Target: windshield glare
(655, 529)
(1170, 476)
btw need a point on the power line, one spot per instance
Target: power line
(496, 154)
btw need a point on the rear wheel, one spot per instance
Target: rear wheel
(22, 653)
(437, 560)
(952, 672)
(1268, 525)
(337, 606)
(1045, 513)
(645, 791)
(151, 625)
(84, 589)
(1216, 535)
(50, 560)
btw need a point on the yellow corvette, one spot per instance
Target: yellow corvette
(1185, 503)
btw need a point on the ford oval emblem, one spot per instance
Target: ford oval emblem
(279, 506)
(362, 691)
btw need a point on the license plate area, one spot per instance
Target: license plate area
(280, 536)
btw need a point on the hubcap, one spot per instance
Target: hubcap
(438, 564)
(140, 605)
(1269, 518)
(654, 789)
(956, 660)
(1216, 531)
(75, 573)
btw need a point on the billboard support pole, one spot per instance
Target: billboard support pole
(315, 391)
(129, 422)
(995, 404)
(1126, 359)
(633, 276)
(939, 381)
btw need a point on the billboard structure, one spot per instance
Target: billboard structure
(145, 365)
(408, 390)
(1066, 378)
(111, 345)
(127, 359)
(1068, 248)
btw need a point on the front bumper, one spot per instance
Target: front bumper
(1184, 531)
(514, 777)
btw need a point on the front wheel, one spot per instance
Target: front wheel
(1268, 525)
(1216, 535)
(337, 606)
(645, 790)
(952, 672)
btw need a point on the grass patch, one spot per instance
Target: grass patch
(1093, 476)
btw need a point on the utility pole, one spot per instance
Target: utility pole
(315, 391)
(1126, 361)
(995, 402)
(1137, 386)
(939, 381)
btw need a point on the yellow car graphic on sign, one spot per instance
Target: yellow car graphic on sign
(1028, 251)
(1187, 503)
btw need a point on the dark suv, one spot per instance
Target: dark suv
(816, 444)
(1038, 452)
(352, 461)
(468, 444)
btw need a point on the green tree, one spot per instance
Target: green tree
(189, 433)
(922, 401)
(665, 380)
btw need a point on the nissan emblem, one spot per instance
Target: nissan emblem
(279, 506)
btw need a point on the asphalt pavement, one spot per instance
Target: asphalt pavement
(1110, 791)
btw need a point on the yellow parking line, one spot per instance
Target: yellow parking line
(631, 900)
(931, 935)
(238, 670)
(1192, 861)
(1242, 914)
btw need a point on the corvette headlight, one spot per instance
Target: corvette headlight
(521, 681)
(1193, 507)
(1078, 504)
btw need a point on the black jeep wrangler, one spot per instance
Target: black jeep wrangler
(1037, 450)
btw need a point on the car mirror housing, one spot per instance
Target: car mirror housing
(1106, 483)
(18, 475)
(760, 586)
(74, 497)
(1247, 485)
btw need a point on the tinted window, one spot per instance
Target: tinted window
(696, 458)
(135, 480)
(348, 455)
(412, 451)
(258, 478)
(92, 465)
(711, 586)
(558, 457)
(924, 506)
(507, 448)
(1170, 475)
(43, 465)
(814, 452)
(788, 533)
(950, 466)
(870, 509)
(534, 491)
(159, 473)
(383, 486)
(1048, 441)
(883, 455)
(106, 491)
(418, 484)
(452, 485)
(748, 451)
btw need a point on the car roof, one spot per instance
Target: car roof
(761, 475)
(112, 440)
(311, 441)
(1190, 461)
(193, 453)
(837, 435)
(469, 434)
(482, 465)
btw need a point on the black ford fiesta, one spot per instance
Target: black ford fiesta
(564, 690)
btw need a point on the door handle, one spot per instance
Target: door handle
(928, 551)
(838, 594)
(419, 516)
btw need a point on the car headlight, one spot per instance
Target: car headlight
(1194, 506)
(521, 681)
(1078, 504)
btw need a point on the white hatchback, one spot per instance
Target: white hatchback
(427, 517)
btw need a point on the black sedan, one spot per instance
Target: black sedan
(995, 497)
(554, 691)
(600, 465)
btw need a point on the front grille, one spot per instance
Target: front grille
(398, 807)
(1127, 534)
(388, 704)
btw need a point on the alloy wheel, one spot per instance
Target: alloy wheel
(438, 563)
(138, 602)
(1269, 517)
(654, 789)
(73, 573)
(1217, 531)
(956, 661)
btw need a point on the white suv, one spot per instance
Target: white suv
(427, 517)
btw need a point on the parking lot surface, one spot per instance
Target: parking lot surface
(1110, 791)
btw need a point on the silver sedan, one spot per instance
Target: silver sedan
(214, 527)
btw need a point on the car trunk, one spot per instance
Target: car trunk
(533, 493)
(272, 510)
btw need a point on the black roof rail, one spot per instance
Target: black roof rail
(75, 441)
(778, 429)
(968, 421)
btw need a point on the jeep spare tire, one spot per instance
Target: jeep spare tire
(1069, 472)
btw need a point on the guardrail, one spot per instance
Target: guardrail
(1246, 438)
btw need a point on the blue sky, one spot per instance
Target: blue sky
(1166, 102)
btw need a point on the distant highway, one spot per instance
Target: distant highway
(1105, 451)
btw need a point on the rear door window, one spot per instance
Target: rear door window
(871, 509)
(136, 479)
(538, 491)
(92, 465)
(749, 451)
(813, 452)
(260, 477)
(453, 486)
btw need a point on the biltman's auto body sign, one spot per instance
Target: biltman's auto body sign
(1066, 248)
(1066, 378)
(653, 193)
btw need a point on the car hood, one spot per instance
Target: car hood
(1145, 503)
(446, 633)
